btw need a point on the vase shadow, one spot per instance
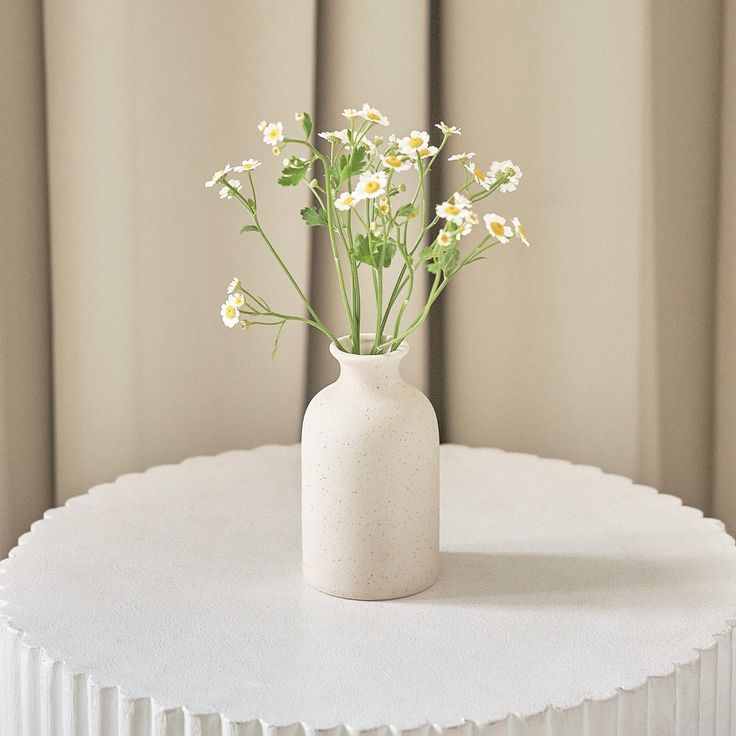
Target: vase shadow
(527, 579)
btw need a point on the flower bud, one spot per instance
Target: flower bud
(276, 151)
(402, 187)
(299, 117)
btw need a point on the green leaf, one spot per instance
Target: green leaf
(389, 250)
(335, 171)
(292, 174)
(314, 217)
(369, 251)
(356, 162)
(348, 166)
(408, 210)
(307, 125)
(445, 261)
(249, 229)
(362, 250)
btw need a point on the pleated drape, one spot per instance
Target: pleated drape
(25, 305)
(611, 341)
(143, 101)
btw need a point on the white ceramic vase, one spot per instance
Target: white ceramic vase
(370, 482)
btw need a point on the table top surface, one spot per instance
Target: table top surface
(558, 583)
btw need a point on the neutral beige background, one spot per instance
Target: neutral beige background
(611, 341)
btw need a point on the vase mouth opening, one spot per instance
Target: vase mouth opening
(366, 343)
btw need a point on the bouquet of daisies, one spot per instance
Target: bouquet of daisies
(370, 194)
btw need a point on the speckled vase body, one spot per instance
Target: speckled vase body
(370, 482)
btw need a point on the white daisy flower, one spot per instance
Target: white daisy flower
(273, 134)
(346, 201)
(451, 212)
(226, 192)
(372, 115)
(369, 144)
(234, 284)
(396, 163)
(383, 208)
(507, 168)
(262, 126)
(217, 176)
(465, 228)
(448, 129)
(414, 142)
(350, 113)
(519, 231)
(426, 152)
(335, 136)
(462, 200)
(479, 176)
(498, 228)
(248, 165)
(445, 238)
(472, 218)
(237, 300)
(461, 157)
(371, 184)
(230, 315)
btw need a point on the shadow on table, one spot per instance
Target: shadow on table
(470, 578)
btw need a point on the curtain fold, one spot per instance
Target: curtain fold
(144, 102)
(611, 341)
(25, 357)
(724, 487)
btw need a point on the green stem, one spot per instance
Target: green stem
(436, 290)
(318, 322)
(329, 196)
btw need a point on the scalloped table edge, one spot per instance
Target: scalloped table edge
(56, 680)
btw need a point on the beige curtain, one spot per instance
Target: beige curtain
(611, 341)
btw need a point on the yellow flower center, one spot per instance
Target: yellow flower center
(393, 161)
(415, 142)
(452, 209)
(373, 116)
(478, 174)
(230, 311)
(497, 228)
(372, 186)
(348, 200)
(521, 231)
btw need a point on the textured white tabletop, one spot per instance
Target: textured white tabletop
(559, 584)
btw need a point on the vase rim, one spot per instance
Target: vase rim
(367, 337)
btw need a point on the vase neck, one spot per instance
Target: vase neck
(373, 369)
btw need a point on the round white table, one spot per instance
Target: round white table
(171, 602)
